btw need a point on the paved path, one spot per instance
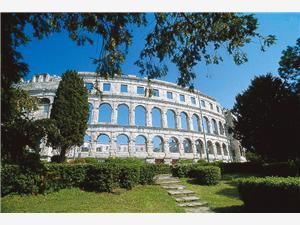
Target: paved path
(184, 197)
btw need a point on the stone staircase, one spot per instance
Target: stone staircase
(184, 197)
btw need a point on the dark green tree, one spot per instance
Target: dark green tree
(268, 119)
(69, 113)
(289, 66)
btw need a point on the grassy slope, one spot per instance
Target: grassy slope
(223, 197)
(140, 199)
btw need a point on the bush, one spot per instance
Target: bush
(284, 169)
(15, 179)
(56, 159)
(183, 170)
(241, 167)
(162, 169)
(147, 173)
(184, 161)
(206, 175)
(58, 176)
(89, 160)
(100, 178)
(270, 194)
(129, 176)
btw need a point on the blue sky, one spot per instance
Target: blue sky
(56, 54)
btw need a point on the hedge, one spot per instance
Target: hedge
(284, 169)
(270, 194)
(206, 175)
(100, 176)
(183, 170)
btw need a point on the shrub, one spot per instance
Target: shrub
(89, 160)
(147, 173)
(184, 161)
(270, 194)
(241, 167)
(55, 159)
(100, 178)
(207, 175)
(162, 169)
(15, 179)
(284, 169)
(58, 176)
(182, 170)
(122, 161)
(129, 176)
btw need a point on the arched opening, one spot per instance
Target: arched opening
(171, 119)
(44, 104)
(122, 143)
(225, 149)
(86, 143)
(221, 127)
(105, 112)
(173, 145)
(184, 121)
(140, 143)
(156, 117)
(199, 147)
(196, 123)
(140, 116)
(206, 125)
(218, 147)
(210, 147)
(157, 142)
(123, 114)
(103, 143)
(187, 146)
(90, 113)
(214, 126)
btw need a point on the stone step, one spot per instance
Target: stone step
(201, 209)
(187, 199)
(181, 192)
(193, 204)
(163, 176)
(173, 186)
(168, 181)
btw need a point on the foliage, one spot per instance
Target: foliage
(289, 66)
(268, 116)
(183, 170)
(129, 176)
(89, 160)
(186, 39)
(270, 194)
(15, 179)
(242, 167)
(206, 175)
(59, 176)
(56, 159)
(147, 173)
(253, 157)
(283, 169)
(69, 113)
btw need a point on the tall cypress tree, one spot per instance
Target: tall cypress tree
(70, 112)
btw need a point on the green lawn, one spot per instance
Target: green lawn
(223, 197)
(147, 199)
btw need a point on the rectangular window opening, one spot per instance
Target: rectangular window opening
(140, 90)
(106, 87)
(124, 88)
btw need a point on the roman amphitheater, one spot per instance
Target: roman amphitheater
(132, 117)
